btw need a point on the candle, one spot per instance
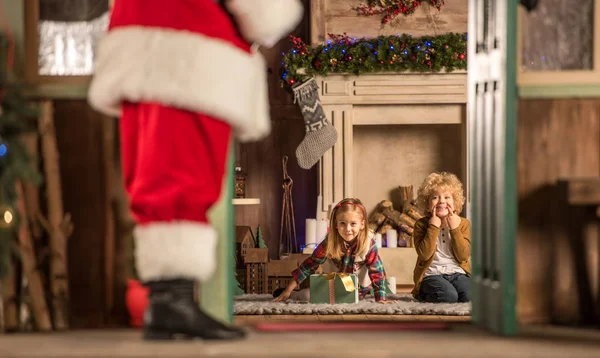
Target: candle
(391, 238)
(378, 240)
(311, 232)
(321, 230)
(392, 284)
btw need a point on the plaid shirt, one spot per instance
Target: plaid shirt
(347, 265)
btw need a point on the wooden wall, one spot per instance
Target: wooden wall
(95, 264)
(557, 246)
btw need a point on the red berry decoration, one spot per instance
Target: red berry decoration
(302, 53)
(429, 63)
(348, 58)
(381, 62)
(391, 62)
(446, 46)
(291, 81)
(461, 56)
(317, 63)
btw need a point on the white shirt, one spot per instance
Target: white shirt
(443, 259)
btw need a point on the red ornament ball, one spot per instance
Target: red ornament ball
(302, 53)
(429, 63)
(348, 58)
(291, 81)
(461, 56)
(381, 62)
(446, 46)
(391, 62)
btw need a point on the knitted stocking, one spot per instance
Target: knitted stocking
(320, 135)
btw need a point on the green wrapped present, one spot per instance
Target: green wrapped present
(334, 288)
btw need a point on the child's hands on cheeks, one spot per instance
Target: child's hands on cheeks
(435, 220)
(452, 219)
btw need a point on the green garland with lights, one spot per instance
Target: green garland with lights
(400, 53)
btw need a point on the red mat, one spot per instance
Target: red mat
(350, 326)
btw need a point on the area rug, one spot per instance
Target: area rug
(406, 305)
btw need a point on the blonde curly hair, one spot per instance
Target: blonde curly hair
(442, 181)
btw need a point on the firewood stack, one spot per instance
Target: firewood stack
(385, 217)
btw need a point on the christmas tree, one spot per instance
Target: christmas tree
(16, 119)
(238, 288)
(260, 242)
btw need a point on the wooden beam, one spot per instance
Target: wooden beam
(582, 191)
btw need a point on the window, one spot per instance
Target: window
(61, 38)
(558, 44)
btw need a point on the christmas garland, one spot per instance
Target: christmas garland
(392, 8)
(401, 53)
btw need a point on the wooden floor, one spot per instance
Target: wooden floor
(461, 340)
(243, 320)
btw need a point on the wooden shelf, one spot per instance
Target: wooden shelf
(246, 201)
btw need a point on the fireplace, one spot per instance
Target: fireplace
(393, 129)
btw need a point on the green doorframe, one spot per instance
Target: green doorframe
(509, 290)
(216, 294)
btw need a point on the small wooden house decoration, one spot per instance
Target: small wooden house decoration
(256, 260)
(280, 273)
(243, 241)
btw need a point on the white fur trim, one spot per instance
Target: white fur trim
(266, 21)
(178, 249)
(184, 70)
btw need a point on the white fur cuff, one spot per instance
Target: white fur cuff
(265, 21)
(183, 70)
(178, 249)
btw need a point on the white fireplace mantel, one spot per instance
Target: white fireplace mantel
(382, 99)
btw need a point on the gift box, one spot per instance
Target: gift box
(334, 288)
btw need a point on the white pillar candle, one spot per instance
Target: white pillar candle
(392, 284)
(378, 240)
(391, 238)
(321, 230)
(311, 232)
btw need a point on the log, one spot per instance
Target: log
(58, 240)
(28, 261)
(384, 228)
(108, 136)
(31, 191)
(414, 212)
(399, 218)
(406, 196)
(10, 320)
(406, 237)
(386, 206)
(407, 229)
(373, 226)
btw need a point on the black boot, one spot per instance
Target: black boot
(173, 311)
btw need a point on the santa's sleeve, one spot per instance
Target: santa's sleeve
(265, 21)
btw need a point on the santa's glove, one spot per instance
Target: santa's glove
(320, 134)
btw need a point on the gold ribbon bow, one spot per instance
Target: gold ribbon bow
(346, 280)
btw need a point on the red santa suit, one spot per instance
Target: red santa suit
(184, 78)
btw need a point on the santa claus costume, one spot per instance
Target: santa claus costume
(184, 77)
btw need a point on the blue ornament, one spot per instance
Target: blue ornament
(3, 150)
